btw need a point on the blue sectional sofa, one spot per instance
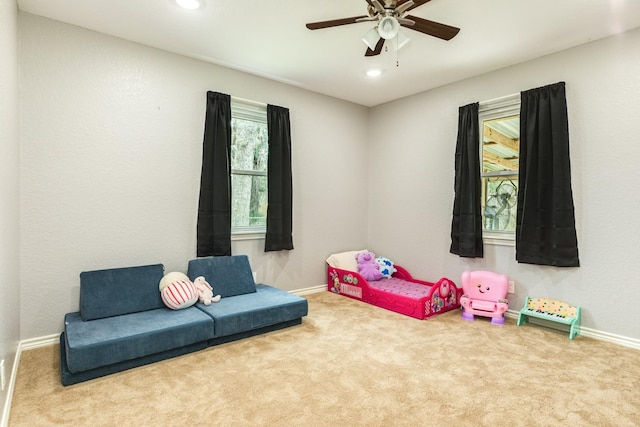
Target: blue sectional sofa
(123, 323)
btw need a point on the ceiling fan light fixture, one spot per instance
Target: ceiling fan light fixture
(388, 27)
(401, 40)
(371, 38)
(190, 4)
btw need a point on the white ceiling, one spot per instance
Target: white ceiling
(269, 38)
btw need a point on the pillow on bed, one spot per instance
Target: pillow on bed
(345, 260)
(386, 267)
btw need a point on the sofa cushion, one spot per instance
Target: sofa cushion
(110, 340)
(69, 378)
(267, 306)
(112, 292)
(228, 275)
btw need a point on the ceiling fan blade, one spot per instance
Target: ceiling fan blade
(416, 3)
(377, 50)
(367, 19)
(334, 22)
(406, 22)
(375, 4)
(402, 8)
(431, 28)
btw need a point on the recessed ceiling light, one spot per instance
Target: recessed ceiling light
(374, 72)
(190, 4)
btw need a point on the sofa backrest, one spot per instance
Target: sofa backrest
(112, 292)
(228, 275)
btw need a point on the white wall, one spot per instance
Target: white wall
(111, 136)
(110, 141)
(9, 191)
(412, 175)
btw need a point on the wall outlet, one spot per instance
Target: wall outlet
(512, 287)
(3, 380)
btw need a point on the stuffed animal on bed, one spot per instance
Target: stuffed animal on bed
(367, 266)
(205, 291)
(386, 266)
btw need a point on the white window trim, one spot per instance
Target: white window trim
(247, 172)
(499, 107)
(248, 233)
(248, 110)
(499, 239)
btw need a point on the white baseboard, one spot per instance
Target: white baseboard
(6, 409)
(584, 331)
(311, 290)
(22, 345)
(38, 342)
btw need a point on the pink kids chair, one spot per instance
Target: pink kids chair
(484, 294)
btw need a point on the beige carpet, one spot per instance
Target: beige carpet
(352, 364)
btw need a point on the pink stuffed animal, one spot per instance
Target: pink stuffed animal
(367, 266)
(205, 291)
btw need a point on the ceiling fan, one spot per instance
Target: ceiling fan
(390, 15)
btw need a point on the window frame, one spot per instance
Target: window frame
(490, 110)
(244, 109)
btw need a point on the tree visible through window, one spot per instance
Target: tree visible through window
(249, 154)
(500, 148)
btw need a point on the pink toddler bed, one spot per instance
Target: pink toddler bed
(401, 293)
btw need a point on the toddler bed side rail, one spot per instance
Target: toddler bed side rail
(409, 296)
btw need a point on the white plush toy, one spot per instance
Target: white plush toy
(205, 291)
(177, 291)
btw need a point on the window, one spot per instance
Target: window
(499, 150)
(249, 153)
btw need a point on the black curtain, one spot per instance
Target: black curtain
(280, 198)
(545, 230)
(214, 209)
(466, 226)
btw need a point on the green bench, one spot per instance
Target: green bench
(552, 310)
